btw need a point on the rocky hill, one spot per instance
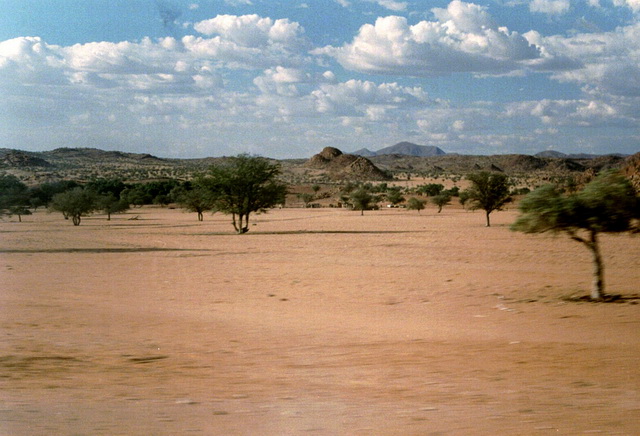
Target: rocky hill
(330, 165)
(340, 166)
(20, 159)
(511, 164)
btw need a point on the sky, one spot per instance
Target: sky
(284, 79)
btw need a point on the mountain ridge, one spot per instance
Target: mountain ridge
(403, 148)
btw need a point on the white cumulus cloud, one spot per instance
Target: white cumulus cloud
(609, 61)
(252, 30)
(464, 38)
(550, 7)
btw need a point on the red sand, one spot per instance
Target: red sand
(319, 321)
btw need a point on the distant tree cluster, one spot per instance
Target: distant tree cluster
(240, 186)
(75, 201)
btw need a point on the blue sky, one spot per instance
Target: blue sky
(284, 79)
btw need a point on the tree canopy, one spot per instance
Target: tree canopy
(488, 191)
(243, 185)
(416, 204)
(608, 204)
(441, 200)
(75, 203)
(361, 199)
(194, 197)
(14, 196)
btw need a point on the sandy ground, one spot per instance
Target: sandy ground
(319, 322)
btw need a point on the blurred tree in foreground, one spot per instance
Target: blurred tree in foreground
(608, 204)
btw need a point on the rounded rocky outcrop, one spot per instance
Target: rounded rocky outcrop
(19, 159)
(345, 166)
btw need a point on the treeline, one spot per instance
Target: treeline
(238, 187)
(75, 200)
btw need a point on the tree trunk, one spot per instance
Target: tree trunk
(235, 225)
(242, 226)
(245, 228)
(488, 221)
(76, 220)
(200, 216)
(597, 288)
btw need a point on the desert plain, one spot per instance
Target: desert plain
(316, 322)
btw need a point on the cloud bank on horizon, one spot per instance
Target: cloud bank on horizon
(285, 79)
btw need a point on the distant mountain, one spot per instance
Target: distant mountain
(403, 148)
(551, 153)
(558, 155)
(364, 152)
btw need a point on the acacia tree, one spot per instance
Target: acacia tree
(361, 199)
(75, 203)
(109, 204)
(245, 184)
(194, 197)
(441, 200)
(608, 204)
(488, 191)
(416, 204)
(395, 196)
(14, 197)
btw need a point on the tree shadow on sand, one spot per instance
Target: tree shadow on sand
(609, 298)
(98, 250)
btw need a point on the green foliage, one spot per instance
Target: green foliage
(194, 197)
(243, 185)
(416, 204)
(43, 194)
(488, 191)
(441, 201)
(520, 191)
(306, 198)
(430, 189)
(156, 192)
(361, 199)
(453, 192)
(463, 197)
(103, 186)
(110, 204)
(14, 197)
(608, 204)
(394, 195)
(75, 203)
